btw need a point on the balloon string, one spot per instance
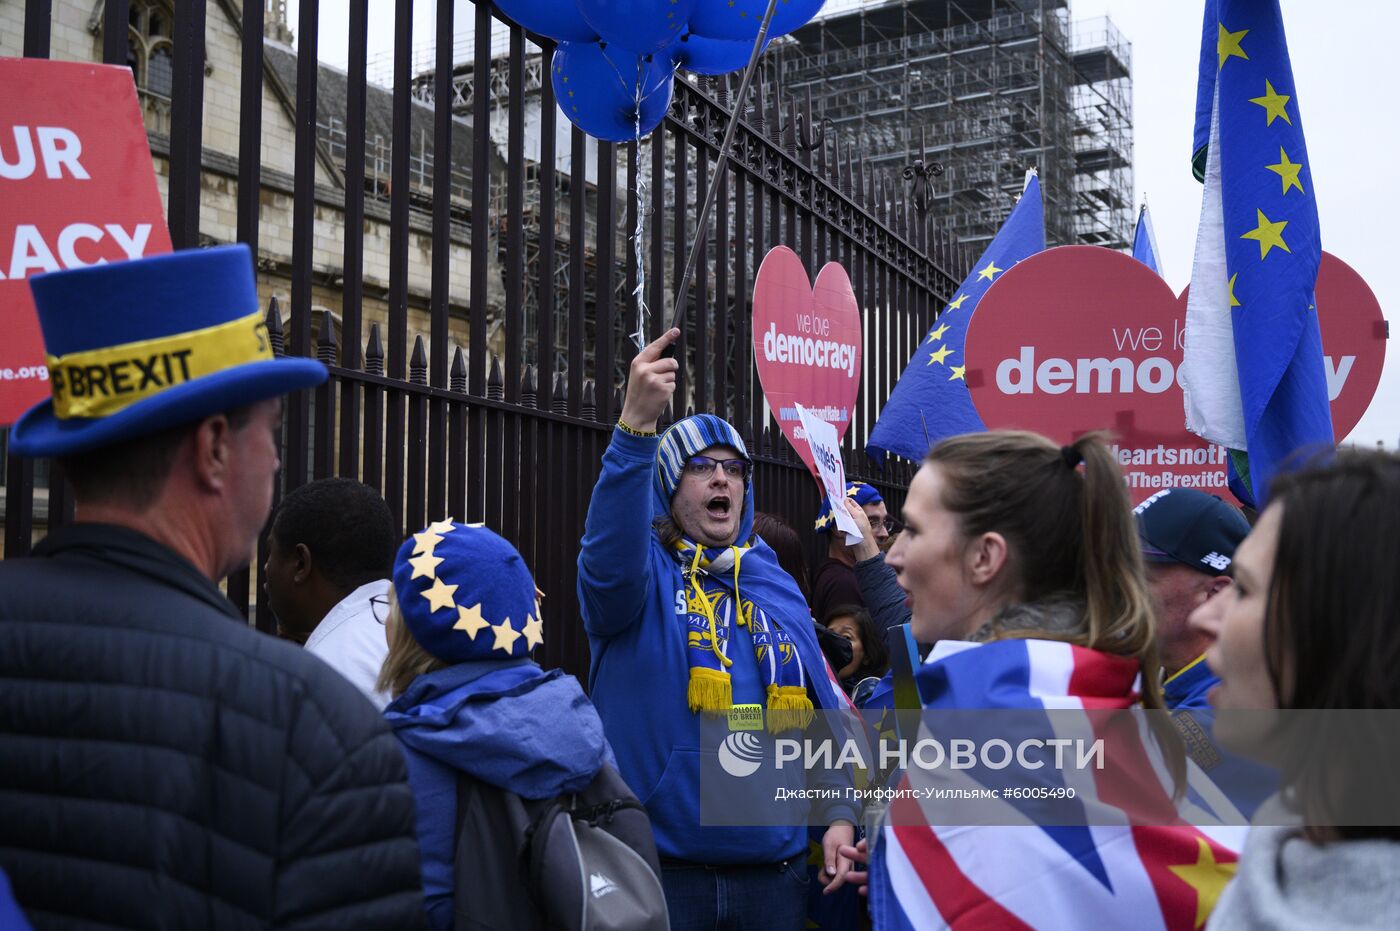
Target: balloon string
(638, 232)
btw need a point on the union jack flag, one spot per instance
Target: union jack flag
(1133, 861)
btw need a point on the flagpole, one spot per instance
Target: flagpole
(721, 164)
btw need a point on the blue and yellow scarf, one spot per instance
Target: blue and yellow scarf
(711, 612)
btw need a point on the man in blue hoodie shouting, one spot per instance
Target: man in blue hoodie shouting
(688, 614)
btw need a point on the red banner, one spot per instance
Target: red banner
(1081, 338)
(77, 188)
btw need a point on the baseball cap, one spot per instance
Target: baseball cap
(1186, 526)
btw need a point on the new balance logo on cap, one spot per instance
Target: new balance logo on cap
(1216, 561)
(601, 885)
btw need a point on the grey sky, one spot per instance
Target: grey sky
(1341, 57)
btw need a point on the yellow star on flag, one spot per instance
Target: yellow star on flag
(1207, 877)
(505, 636)
(470, 620)
(1288, 171)
(958, 373)
(1268, 235)
(425, 542)
(534, 632)
(439, 595)
(938, 333)
(1229, 44)
(425, 565)
(954, 305)
(1274, 104)
(939, 355)
(1234, 301)
(442, 526)
(989, 271)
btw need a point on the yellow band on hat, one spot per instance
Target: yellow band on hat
(101, 382)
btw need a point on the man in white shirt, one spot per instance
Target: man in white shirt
(330, 554)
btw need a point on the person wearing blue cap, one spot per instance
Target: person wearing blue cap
(163, 763)
(1188, 541)
(834, 582)
(478, 717)
(689, 614)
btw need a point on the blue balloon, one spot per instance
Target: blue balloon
(703, 55)
(598, 89)
(557, 19)
(645, 26)
(739, 19)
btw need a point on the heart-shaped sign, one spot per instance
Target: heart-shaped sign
(807, 344)
(1082, 338)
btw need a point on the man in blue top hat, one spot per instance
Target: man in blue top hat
(1188, 541)
(688, 614)
(163, 763)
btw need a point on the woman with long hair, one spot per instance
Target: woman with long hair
(1020, 563)
(1309, 628)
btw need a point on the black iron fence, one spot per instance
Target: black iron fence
(515, 437)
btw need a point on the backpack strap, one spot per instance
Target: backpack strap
(535, 847)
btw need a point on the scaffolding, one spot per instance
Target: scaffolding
(992, 87)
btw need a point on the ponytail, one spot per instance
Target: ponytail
(1068, 523)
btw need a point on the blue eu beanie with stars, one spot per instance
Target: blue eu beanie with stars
(466, 594)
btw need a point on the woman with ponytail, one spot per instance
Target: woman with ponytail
(1020, 563)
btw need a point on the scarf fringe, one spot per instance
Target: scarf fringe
(709, 690)
(788, 708)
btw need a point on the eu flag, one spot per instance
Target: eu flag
(1253, 375)
(1145, 241)
(931, 401)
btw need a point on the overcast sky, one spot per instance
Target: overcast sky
(1342, 55)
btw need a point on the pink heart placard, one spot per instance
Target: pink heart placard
(806, 343)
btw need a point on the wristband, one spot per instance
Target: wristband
(621, 425)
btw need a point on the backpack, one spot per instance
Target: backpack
(585, 861)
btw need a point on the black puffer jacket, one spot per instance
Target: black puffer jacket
(164, 766)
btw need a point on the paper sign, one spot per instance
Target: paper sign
(77, 187)
(826, 453)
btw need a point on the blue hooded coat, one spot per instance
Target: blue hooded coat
(633, 600)
(507, 723)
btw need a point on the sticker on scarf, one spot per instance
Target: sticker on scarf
(746, 717)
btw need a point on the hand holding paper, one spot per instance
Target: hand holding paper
(826, 452)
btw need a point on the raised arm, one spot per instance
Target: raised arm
(614, 566)
(878, 589)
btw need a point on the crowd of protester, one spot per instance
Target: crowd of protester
(395, 758)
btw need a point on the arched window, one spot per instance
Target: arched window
(150, 50)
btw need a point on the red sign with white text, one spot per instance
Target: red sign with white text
(77, 188)
(807, 344)
(1082, 338)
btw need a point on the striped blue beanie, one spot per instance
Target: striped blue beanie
(687, 437)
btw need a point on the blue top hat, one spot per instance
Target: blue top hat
(136, 347)
(465, 594)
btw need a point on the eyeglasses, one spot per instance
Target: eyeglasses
(704, 467)
(379, 607)
(892, 525)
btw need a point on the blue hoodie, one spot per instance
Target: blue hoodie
(507, 723)
(629, 589)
